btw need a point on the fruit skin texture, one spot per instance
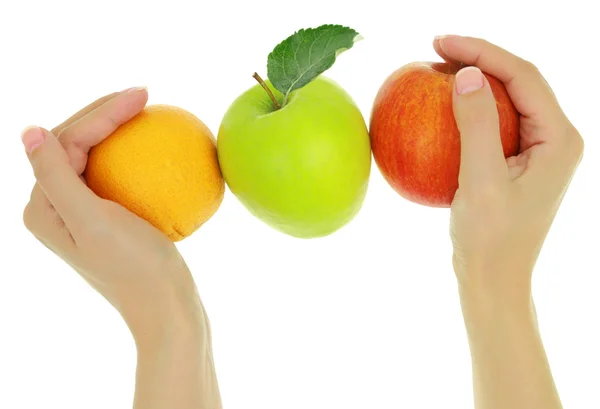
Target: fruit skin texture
(162, 165)
(414, 137)
(303, 169)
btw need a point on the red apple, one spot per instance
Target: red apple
(414, 138)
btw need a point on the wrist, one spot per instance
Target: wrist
(175, 365)
(173, 314)
(494, 283)
(482, 305)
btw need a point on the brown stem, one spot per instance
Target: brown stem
(262, 84)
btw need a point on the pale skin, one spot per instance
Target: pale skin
(500, 217)
(131, 263)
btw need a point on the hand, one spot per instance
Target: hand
(501, 215)
(131, 263)
(504, 208)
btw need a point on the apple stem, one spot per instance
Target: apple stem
(266, 88)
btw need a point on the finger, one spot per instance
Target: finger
(71, 198)
(529, 91)
(84, 111)
(42, 220)
(482, 159)
(37, 191)
(439, 51)
(80, 136)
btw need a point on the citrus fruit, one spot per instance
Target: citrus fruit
(162, 165)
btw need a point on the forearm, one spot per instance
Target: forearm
(510, 366)
(175, 368)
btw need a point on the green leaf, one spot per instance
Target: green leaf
(304, 55)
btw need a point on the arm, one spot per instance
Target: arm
(501, 214)
(136, 267)
(510, 367)
(175, 364)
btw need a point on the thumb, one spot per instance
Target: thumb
(69, 196)
(482, 159)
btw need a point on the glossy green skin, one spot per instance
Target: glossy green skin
(303, 169)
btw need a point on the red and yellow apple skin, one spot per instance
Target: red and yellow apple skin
(414, 137)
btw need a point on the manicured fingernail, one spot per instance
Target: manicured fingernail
(32, 137)
(134, 89)
(468, 79)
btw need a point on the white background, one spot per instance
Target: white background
(366, 318)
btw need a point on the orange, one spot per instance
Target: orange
(162, 165)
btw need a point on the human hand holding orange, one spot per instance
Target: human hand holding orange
(113, 249)
(135, 266)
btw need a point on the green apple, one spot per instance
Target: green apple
(303, 169)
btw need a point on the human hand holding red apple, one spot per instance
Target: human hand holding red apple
(483, 134)
(501, 214)
(504, 208)
(489, 140)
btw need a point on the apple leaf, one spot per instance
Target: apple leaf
(307, 53)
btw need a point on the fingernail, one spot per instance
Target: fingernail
(134, 89)
(441, 37)
(468, 79)
(32, 137)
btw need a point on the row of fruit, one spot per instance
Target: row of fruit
(295, 148)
